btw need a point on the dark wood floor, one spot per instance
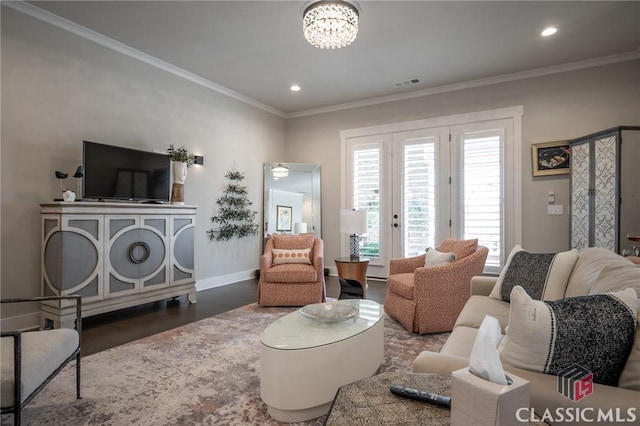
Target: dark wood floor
(116, 328)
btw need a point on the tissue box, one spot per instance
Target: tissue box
(483, 403)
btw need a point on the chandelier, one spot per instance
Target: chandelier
(330, 24)
(280, 171)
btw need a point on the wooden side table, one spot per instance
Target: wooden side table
(354, 269)
(635, 251)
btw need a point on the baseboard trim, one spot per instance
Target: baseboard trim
(22, 322)
(27, 321)
(223, 280)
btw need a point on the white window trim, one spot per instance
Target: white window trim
(513, 221)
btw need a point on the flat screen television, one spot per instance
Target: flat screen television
(118, 173)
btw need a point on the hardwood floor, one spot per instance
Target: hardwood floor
(116, 328)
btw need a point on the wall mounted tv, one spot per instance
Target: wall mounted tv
(114, 172)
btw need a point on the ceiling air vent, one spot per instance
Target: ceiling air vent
(405, 83)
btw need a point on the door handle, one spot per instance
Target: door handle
(395, 225)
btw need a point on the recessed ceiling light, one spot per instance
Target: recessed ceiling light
(295, 88)
(549, 31)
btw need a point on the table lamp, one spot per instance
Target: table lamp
(354, 223)
(300, 228)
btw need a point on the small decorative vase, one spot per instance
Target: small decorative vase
(69, 195)
(179, 172)
(179, 177)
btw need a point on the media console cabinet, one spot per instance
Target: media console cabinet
(115, 255)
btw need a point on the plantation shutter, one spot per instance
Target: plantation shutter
(482, 192)
(419, 208)
(366, 195)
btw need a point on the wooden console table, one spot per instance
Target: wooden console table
(115, 255)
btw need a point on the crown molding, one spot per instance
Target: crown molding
(539, 72)
(84, 32)
(81, 31)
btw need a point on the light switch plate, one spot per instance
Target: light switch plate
(555, 209)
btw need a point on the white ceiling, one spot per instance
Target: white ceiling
(257, 48)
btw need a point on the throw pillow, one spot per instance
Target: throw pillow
(630, 377)
(617, 277)
(281, 256)
(591, 261)
(461, 248)
(543, 276)
(595, 332)
(614, 278)
(435, 258)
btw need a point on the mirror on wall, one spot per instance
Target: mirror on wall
(292, 202)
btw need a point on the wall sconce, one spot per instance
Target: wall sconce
(198, 159)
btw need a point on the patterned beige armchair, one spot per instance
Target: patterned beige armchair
(31, 359)
(292, 271)
(429, 299)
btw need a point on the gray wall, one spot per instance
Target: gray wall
(59, 89)
(556, 107)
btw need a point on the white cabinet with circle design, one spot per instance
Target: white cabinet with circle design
(115, 255)
(72, 256)
(138, 248)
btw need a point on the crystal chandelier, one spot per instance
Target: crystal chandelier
(330, 24)
(280, 171)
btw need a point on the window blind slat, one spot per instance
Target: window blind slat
(482, 189)
(366, 195)
(419, 197)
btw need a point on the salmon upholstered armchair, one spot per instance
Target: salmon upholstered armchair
(292, 271)
(428, 299)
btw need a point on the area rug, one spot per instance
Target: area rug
(203, 373)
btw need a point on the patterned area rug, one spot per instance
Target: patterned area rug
(204, 373)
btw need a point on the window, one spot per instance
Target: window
(426, 180)
(366, 195)
(419, 207)
(482, 189)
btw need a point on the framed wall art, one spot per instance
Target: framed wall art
(550, 158)
(283, 215)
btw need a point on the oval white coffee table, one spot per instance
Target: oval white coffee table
(304, 361)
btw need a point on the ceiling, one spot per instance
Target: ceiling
(257, 50)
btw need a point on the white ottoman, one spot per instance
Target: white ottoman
(305, 361)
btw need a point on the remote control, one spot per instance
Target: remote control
(422, 396)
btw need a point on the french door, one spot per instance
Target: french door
(420, 190)
(425, 184)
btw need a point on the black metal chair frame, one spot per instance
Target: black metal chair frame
(17, 407)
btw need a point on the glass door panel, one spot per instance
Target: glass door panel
(421, 190)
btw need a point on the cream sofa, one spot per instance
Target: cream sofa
(596, 271)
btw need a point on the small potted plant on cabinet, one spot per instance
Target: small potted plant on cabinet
(181, 159)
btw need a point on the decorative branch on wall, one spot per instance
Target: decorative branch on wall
(234, 216)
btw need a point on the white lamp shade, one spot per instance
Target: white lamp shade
(353, 222)
(300, 227)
